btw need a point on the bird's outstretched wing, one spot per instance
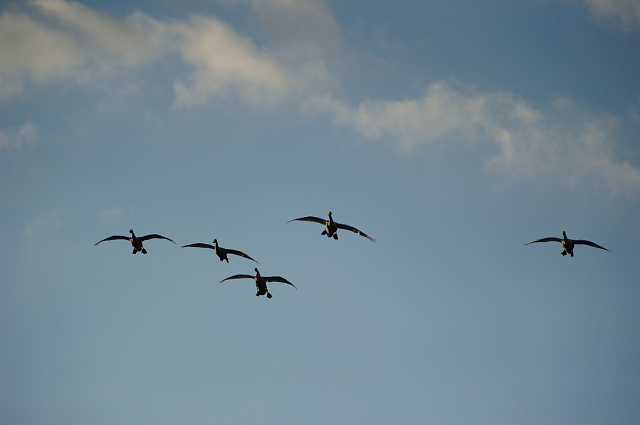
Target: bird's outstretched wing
(354, 230)
(113, 238)
(593, 244)
(278, 279)
(549, 239)
(310, 218)
(155, 236)
(199, 245)
(239, 253)
(238, 276)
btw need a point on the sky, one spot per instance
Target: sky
(452, 132)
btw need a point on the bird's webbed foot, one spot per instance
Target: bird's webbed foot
(563, 253)
(269, 295)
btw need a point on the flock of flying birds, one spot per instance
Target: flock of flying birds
(330, 230)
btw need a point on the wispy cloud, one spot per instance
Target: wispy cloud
(305, 28)
(525, 141)
(111, 215)
(224, 63)
(19, 139)
(623, 12)
(45, 224)
(52, 41)
(32, 53)
(128, 42)
(296, 22)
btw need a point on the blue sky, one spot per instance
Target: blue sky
(451, 132)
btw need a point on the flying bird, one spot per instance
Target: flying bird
(261, 281)
(568, 244)
(220, 251)
(331, 227)
(136, 242)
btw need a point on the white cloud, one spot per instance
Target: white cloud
(624, 12)
(130, 42)
(33, 52)
(571, 145)
(290, 59)
(226, 63)
(25, 136)
(57, 41)
(53, 41)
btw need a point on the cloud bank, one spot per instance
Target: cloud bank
(56, 41)
(572, 144)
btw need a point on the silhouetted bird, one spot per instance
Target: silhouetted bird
(261, 282)
(136, 242)
(220, 251)
(331, 227)
(568, 244)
